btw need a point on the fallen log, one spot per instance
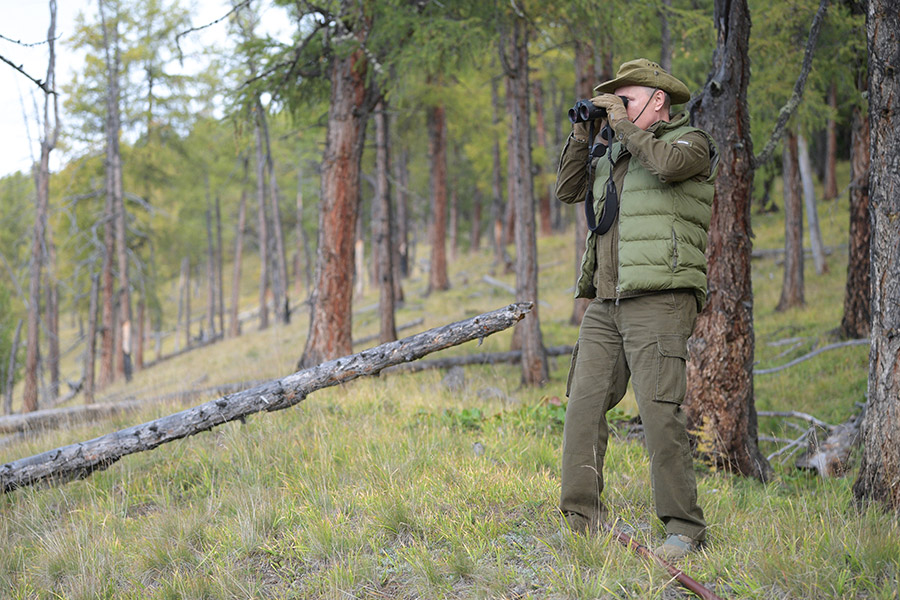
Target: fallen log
(484, 358)
(812, 354)
(78, 461)
(831, 457)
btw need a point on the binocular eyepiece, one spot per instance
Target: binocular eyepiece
(584, 111)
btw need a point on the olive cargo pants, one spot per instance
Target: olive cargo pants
(644, 338)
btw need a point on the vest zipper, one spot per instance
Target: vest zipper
(674, 251)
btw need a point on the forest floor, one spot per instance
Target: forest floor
(404, 487)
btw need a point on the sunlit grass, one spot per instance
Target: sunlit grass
(397, 487)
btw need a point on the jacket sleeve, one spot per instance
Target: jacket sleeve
(571, 174)
(686, 157)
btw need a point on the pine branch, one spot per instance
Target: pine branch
(797, 95)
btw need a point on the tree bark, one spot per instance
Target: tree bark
(792, 285)
(303, 250)
(51, 311)
(41, 220)
(382, 242)
(277, 253)
(812, 210)
(210, 273)
(141, 332)
(500, 256)
(855, 322)
(91, 342)
(11, 371)
(475, 237)
(262, 221)
(534, 358)
(401, 175)
(879, 471)
(541, 139)
(437, 151)
(235, 329)
(330, 313)
(719, 404)
(831, 191)
(78, 461)
(665, 49)
(220, 278)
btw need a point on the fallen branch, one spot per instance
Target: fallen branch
(678, 575)
(812, 354)
(484, 358)
(832, 457)
(792, 444)
(80, 460)
(795, 414)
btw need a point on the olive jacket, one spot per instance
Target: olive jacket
(658, 240)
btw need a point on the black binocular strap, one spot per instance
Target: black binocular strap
(611, 202)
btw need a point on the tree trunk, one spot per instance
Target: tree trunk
(279, 260)
(359, 258)
(475, 238)
(454, 222)
(792, 286)
(855, 322)
(500, 256)
(11, 371)
(541, 138)
(665, 50)
(534, 358)
(401, 175)
(210, 273)
(91, 343)
(51, 311)
(831, 191)
(220, 279)
(186, 279)
(141, 332)
(238, 256)
(302, 239)
(78, 461)
(330, 312)
(719, 404)
(115, 193)
(509, 217)
(41, 220)
(879, 471)
(382, 242)
(437, 152)
(812, 211)
(262, 221)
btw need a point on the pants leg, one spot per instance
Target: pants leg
(597, 381)
(655, 329)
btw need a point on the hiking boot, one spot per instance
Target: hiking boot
(676, 547)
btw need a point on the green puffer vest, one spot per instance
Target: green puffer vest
(662, 228)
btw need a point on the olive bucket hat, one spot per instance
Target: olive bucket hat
(649, 74)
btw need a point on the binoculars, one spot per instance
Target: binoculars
(584, 111)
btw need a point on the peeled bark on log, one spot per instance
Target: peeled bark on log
(78, 461)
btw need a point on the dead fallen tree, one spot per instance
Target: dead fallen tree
(77, 461)
(484, 358)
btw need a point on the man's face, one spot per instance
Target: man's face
(637, 99)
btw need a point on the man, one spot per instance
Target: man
(645, 270)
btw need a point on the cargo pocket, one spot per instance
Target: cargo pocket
(671, 379)
(572, 369)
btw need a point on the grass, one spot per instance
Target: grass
(396, 487)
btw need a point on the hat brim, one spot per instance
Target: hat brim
(678, 92)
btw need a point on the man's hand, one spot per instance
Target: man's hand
(580, 130)
(615, 109)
